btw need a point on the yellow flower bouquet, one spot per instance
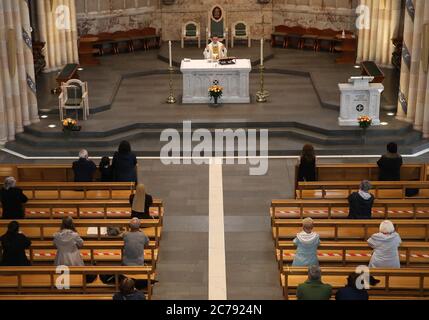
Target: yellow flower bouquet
(69, 124)
(364, 122)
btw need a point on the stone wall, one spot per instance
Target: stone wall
(95, 16)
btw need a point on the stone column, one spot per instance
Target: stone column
(58, 28)
(406, 61)
(415, 60)
(375, 43)
(18, 103)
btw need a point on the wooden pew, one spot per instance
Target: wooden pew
(42, 280)
(402, 283)
(350, 230)
(77, 190)
(364, 171)
(87, 209)
(342, 189)
(412, 254)
(105, 252)
(339, 209)
(45, 229)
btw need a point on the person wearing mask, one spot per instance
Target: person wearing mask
(14, 245)
(84, 168)
(12, 200)
(124, 164)
(141, 203)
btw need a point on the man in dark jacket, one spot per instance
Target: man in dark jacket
(314, 288)
(390, 164)
(360, 203)
(84, 169)
(351, 291)
(12, 200)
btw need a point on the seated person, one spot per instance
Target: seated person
(385, 245)
(307, 165)
(12, 200)
(360, 203)
(215, 50)
(68, 242)
(141, 203)
(84, 169)
(351, 291)
(390, 164)
(134, 243)
(314, 288)
(14, 245)
(128, 291)
(307, 243)
(105, 170)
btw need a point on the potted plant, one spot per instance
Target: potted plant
(215, 92)
(364, 123)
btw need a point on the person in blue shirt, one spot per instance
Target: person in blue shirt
(307, 243)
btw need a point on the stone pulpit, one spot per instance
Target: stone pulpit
(359, 98)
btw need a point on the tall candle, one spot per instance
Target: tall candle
(262, 51)
(169, 54)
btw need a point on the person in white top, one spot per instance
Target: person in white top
(215, 50)
(385, 245)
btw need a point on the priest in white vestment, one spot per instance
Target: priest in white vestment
(215, 50)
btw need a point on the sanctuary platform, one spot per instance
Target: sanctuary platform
(128, 92)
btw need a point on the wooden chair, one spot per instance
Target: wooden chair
(191, 31)
(74, 96)
(240, 31)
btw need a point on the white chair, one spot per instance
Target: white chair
(191, 31)
(240, 31)
(74, 96)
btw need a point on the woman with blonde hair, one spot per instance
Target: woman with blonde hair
(140, 203)
(385, 244)
(307, 242)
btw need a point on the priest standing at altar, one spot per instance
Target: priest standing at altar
(215, 50)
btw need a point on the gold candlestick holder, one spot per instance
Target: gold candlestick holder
(171, 99)
(262, 94)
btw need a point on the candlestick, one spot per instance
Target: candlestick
(262, 51)
(169, 54)
(171, 99)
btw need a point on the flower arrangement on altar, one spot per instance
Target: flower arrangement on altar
(69, 124)
(215, 91)
(364, 122)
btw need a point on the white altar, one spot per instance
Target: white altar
(199, 75)
(359, 97)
